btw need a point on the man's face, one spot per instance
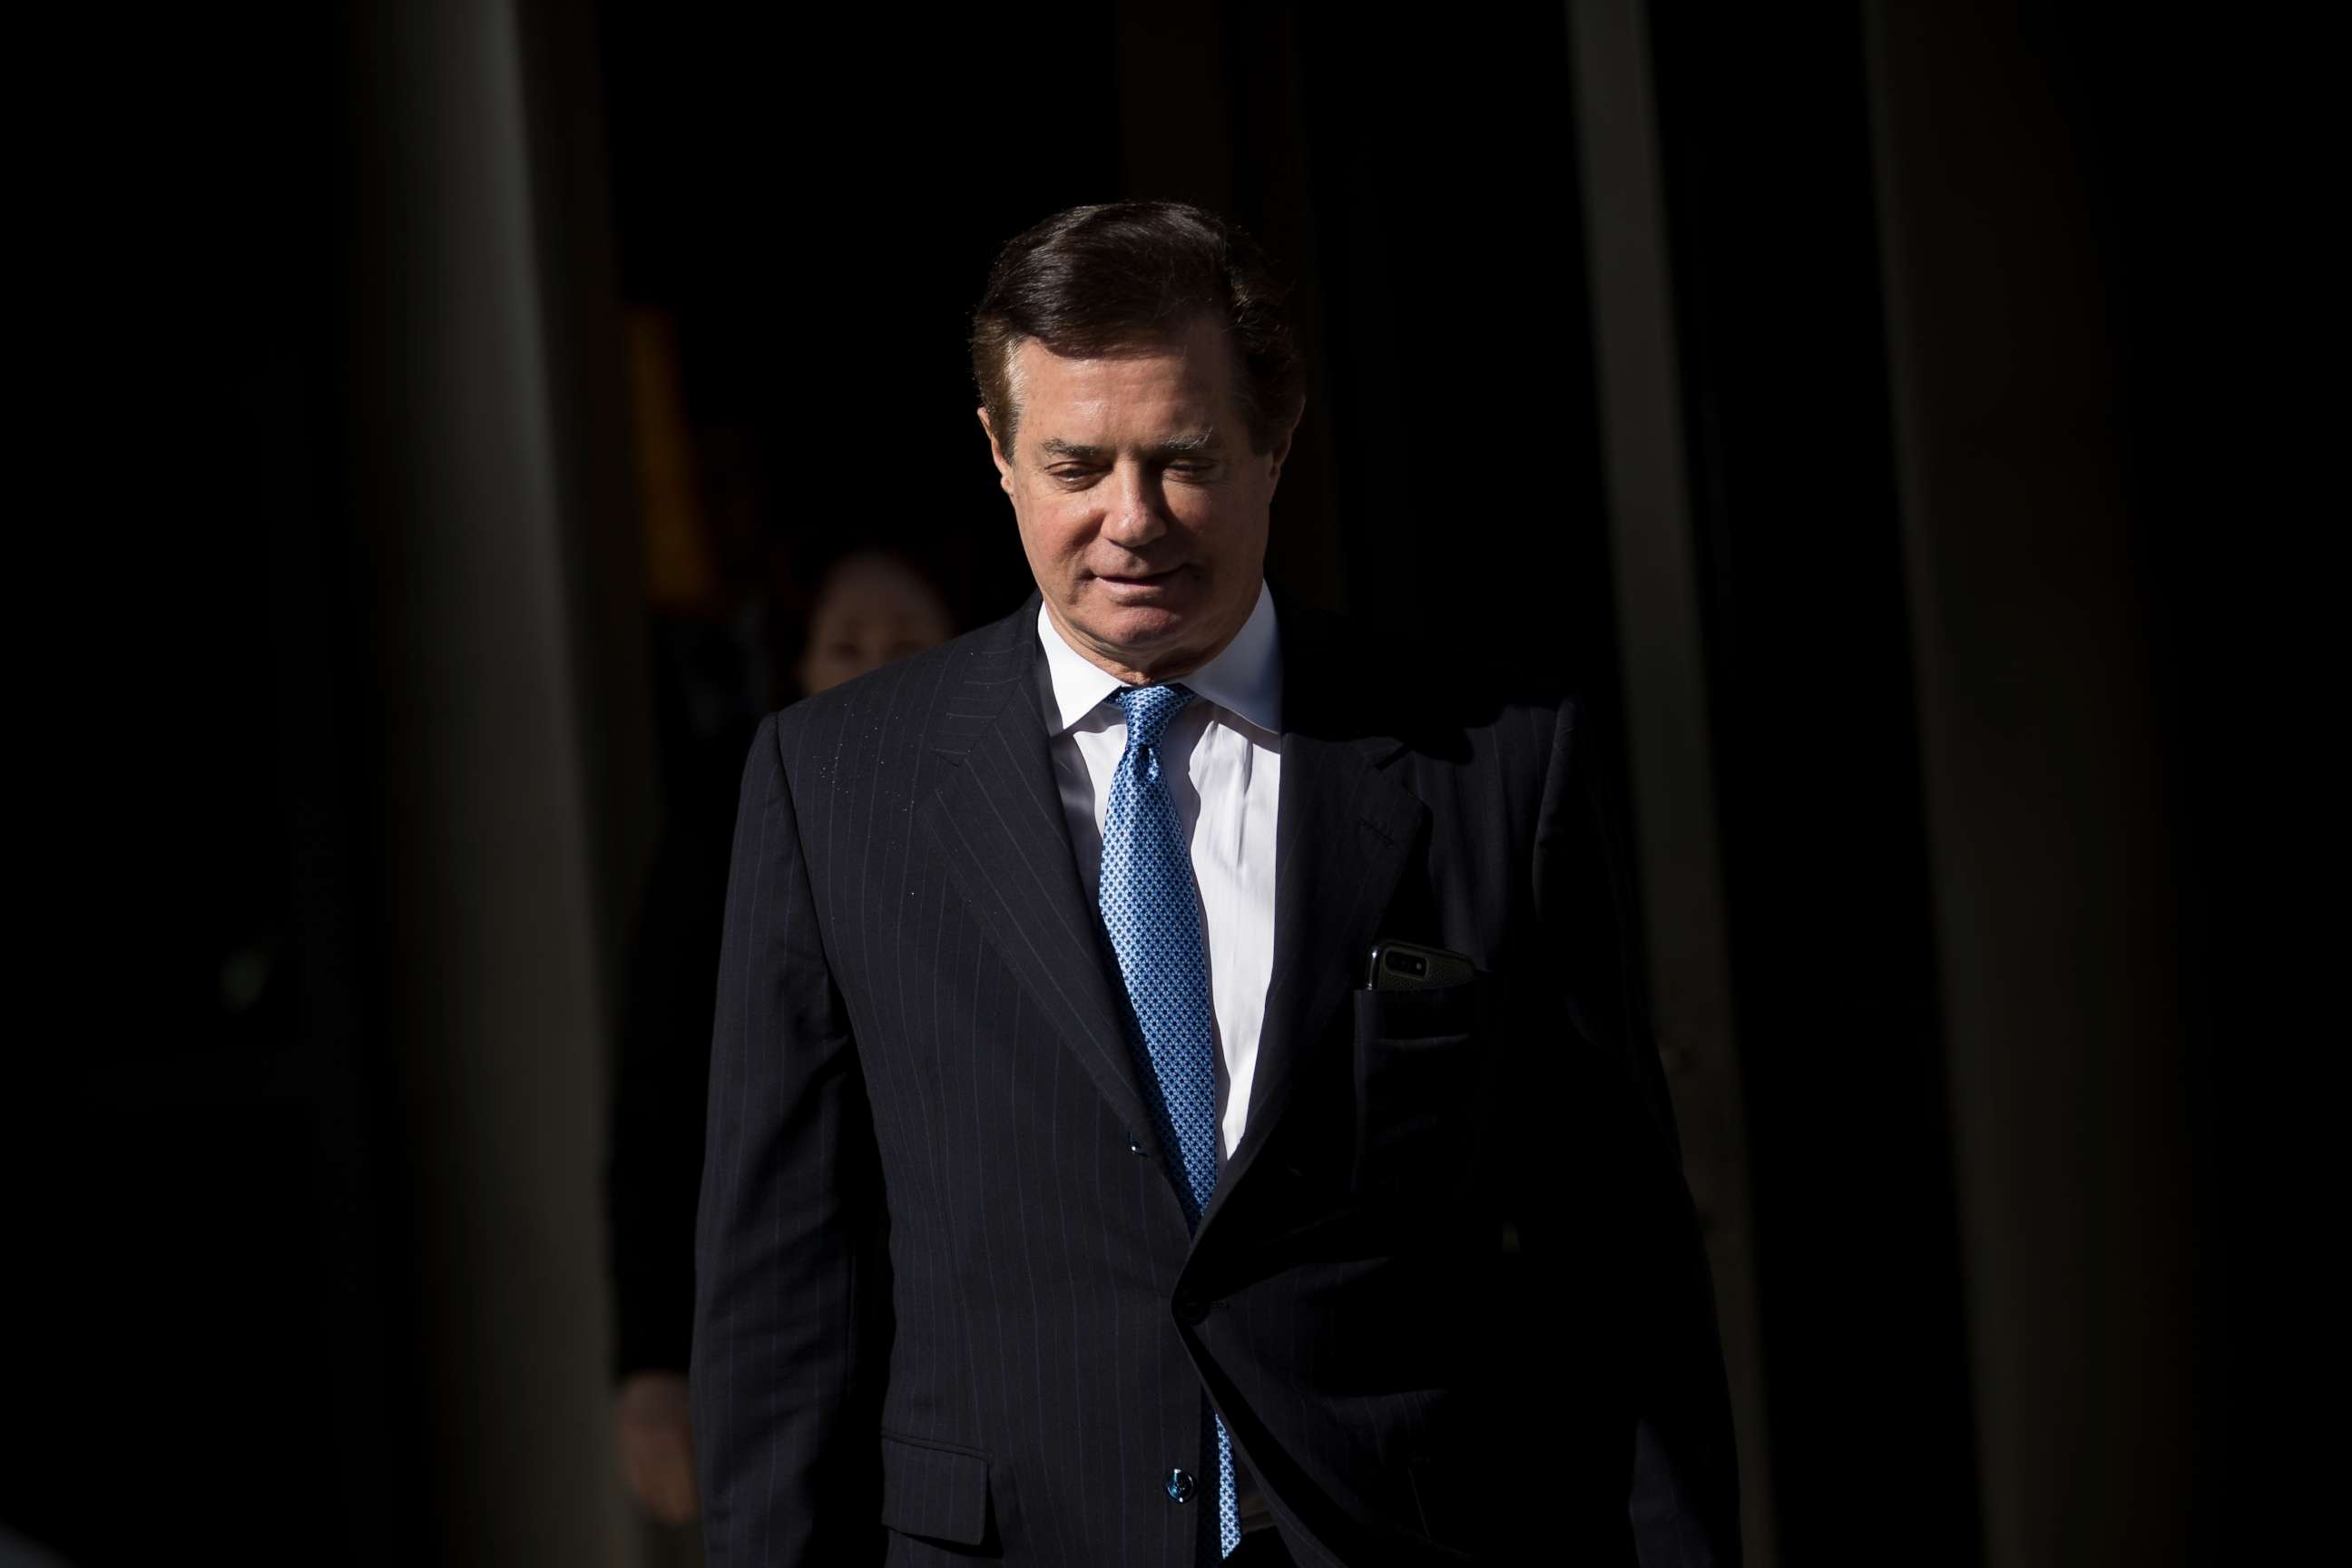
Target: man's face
(1141, 507)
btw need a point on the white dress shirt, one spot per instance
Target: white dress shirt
(1222, 758)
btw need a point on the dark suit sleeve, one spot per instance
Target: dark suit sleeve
(786, 1352)
(1616, 1191)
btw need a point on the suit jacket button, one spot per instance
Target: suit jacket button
(1189, 1308)
(1180, 1486)
(1133, 1147)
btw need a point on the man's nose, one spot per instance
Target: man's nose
(1136, 510)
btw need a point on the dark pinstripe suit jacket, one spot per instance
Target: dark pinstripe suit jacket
(1449, 1298)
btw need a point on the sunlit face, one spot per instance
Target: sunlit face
(1141, 507)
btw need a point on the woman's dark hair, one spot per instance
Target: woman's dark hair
(1107, 279)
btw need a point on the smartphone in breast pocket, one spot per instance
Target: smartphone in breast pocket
(1409, 966)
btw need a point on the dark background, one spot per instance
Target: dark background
(1950, 673)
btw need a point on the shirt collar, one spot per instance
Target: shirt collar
(1245, 680)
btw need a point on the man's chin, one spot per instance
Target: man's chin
(1138, 635)
(1143, 627)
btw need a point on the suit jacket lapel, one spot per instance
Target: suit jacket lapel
(1344, 831)
(997, 819)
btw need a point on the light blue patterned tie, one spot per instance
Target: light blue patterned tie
(1152, 912)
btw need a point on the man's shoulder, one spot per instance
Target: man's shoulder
(873, 717)
(1390, 680)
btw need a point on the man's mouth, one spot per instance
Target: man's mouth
(1138, 579)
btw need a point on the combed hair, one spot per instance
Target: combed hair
(1119, 276)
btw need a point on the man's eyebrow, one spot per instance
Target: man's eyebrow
(1191, 443)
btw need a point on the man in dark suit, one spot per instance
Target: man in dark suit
(1071, 1195)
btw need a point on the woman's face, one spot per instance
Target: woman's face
(873, 610)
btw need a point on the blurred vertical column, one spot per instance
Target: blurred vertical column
(2057, 907)
(509, 688)
(1658, 617)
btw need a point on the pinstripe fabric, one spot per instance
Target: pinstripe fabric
(947, 1303)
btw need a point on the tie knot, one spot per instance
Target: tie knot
(1148, 709)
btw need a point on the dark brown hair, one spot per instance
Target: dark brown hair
(1100, 279)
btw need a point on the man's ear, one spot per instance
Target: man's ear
(996, 451)
(1281, 453)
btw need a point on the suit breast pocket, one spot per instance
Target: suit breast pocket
(1423, 1088)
